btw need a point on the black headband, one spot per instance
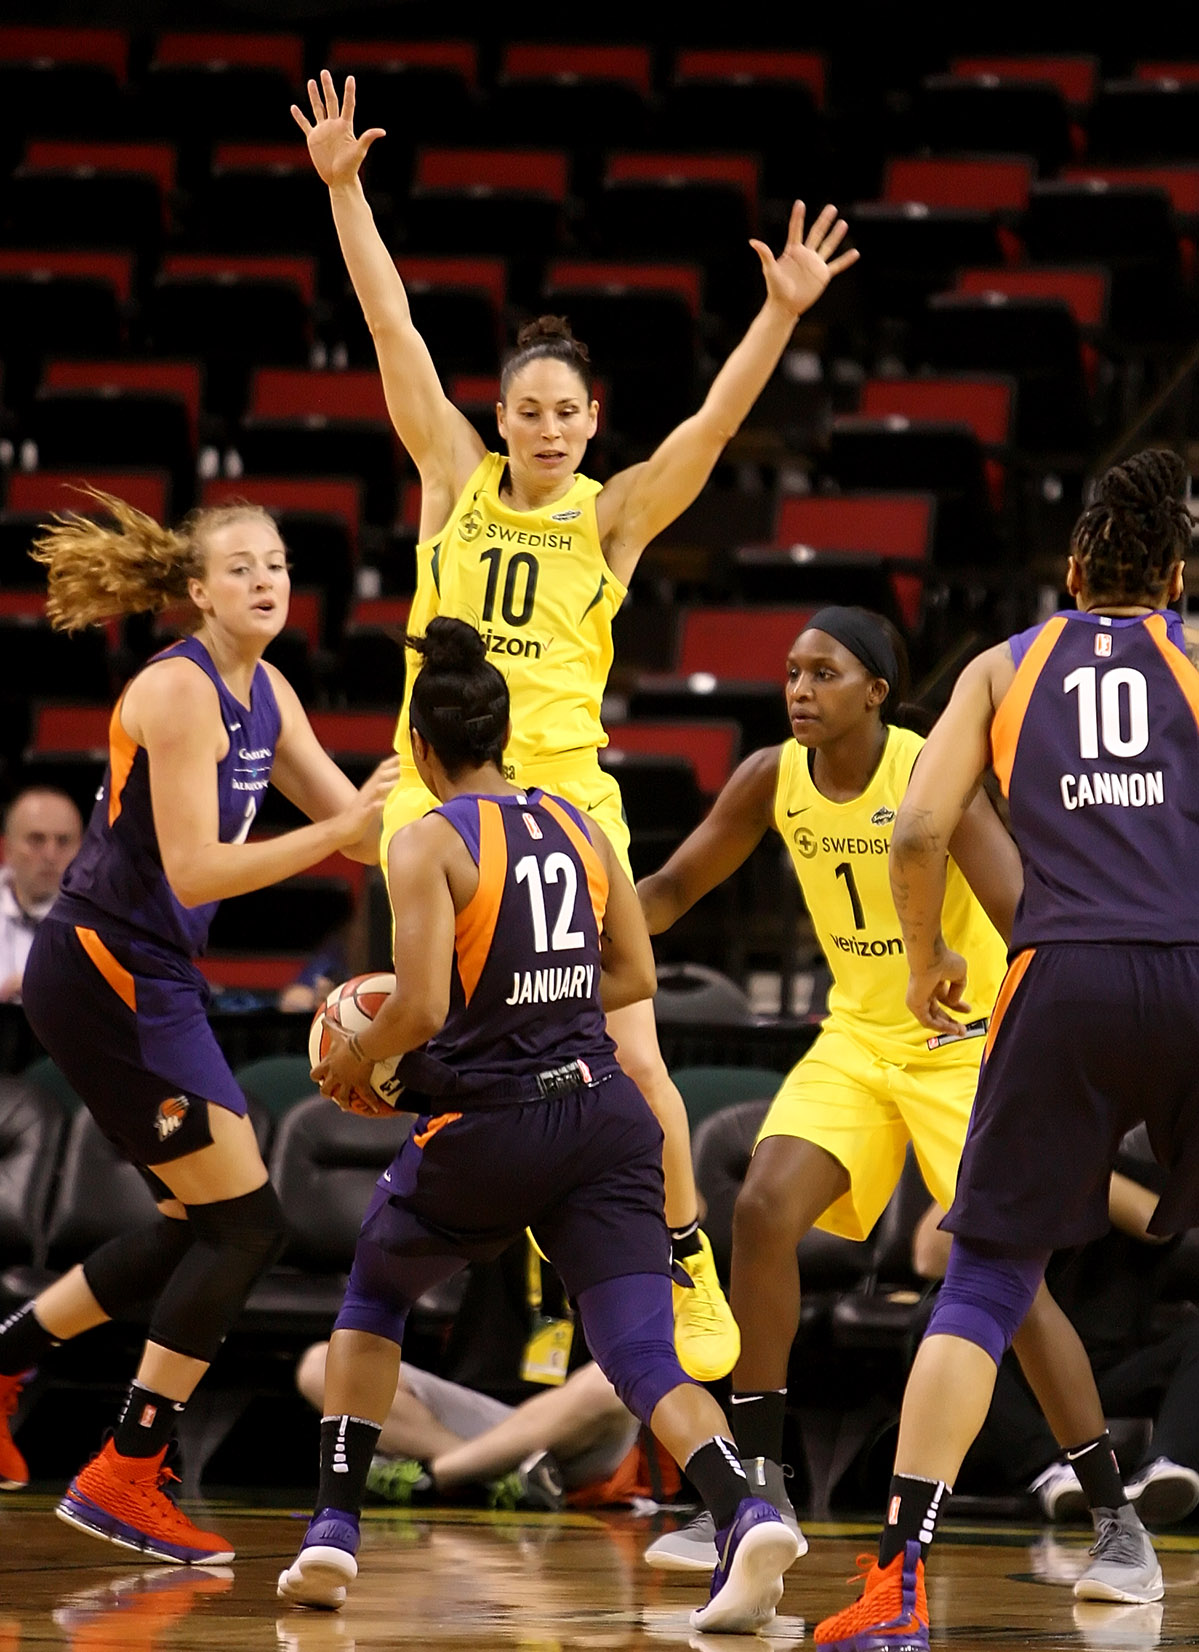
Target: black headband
(863, 636)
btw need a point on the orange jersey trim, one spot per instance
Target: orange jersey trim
(122, 749)
(117, 976)
(1007, 991)
(433, 1126)
(1009, 717)
(1181, 669)
(474, 928)
(597, 877)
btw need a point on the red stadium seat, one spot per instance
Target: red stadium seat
(43, 491)
(58, 302)
(488, 201)
(993, 183)
(895, 529)
(328, 423)
(1074, 75)
(71, 728)
(1085, 292)
(746, 98)
(711, 748)
(985, 404)
(333, 496)
(745, 645)
(550, 88)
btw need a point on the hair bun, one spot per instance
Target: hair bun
(547, 327)
(1143, 483)
(452, 645)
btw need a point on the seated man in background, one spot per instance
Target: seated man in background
(41, 834)
(1109, 1289)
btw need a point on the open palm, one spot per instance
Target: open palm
(336, 152)
(806, 265)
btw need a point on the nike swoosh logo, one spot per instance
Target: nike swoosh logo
(387, 1175)
(791, 813)
(233, 727)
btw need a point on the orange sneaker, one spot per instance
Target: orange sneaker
(13, 1472)
(123, 1499)
(892, 1614)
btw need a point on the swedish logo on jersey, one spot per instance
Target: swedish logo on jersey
(471, 524)
(805, 842)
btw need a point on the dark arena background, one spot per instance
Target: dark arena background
(176, 326)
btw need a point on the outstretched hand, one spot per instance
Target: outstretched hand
(336, 152)
(806, 265)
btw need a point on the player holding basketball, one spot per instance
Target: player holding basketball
(831, 1148)
(111, 990)
(541, 557)
(1090, 723)
(515, 929)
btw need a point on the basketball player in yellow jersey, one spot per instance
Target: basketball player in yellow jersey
(832, 1146)
(539, 559)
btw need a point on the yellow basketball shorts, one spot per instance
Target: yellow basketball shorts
(575, 776)
(864, 1110)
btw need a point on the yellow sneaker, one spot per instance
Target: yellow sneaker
(706, 1337)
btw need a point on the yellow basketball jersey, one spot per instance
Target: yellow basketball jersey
(536, 585)
(840, 853)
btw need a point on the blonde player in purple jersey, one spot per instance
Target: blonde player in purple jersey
(1091, 721)
(112, 991)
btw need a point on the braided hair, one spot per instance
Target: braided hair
(1138, 527)
(550, 337)
(459, 700)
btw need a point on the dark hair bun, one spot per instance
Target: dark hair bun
(547, 327)
(1143, 483)
(450, 645)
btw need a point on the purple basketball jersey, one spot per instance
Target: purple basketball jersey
(524, 992)
(117, 876)
(1096, 744)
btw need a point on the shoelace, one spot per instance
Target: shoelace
(865, 1564)
(1118, 1542)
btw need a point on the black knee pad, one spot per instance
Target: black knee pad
(128, 1272)
(233, 1241)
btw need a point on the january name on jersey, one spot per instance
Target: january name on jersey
(547, 986)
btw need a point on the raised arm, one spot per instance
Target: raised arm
(737, 822)
(172, 710)
(443, 443)
(939, 793)
(639, 502)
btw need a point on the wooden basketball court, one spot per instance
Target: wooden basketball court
(535, 1583)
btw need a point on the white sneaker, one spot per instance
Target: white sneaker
(1123, 1565)
(1164, 1492)
(1059, 1493)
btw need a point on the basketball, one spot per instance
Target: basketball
(353, 1006)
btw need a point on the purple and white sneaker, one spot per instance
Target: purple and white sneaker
(325, 1564)
(747, 1585)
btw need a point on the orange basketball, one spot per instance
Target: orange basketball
(353, 1006)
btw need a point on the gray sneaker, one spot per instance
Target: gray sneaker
(693, 1547)
(1123, 1566)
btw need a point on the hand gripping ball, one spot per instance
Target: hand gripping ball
(353, 1006)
